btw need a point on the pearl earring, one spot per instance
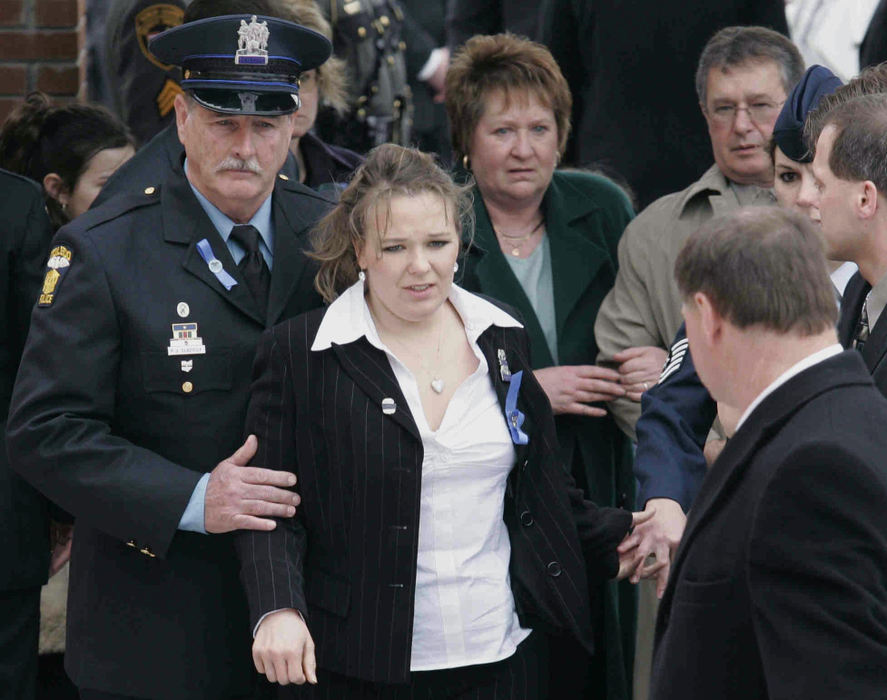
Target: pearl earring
(361, 275)
(455, 267)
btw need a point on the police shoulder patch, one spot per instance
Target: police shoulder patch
(56, 267)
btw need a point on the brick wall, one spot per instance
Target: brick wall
(42, 44)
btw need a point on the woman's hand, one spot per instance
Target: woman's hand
(570, 387)
(639, 369)
(283, 649)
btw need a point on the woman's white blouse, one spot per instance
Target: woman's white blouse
(464, 607)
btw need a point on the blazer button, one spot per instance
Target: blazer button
(554, 569)
(147, 552)
(526, 519)
(132, 543)
(187, 387)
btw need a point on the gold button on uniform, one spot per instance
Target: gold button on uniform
(150, 190)
(132, 543)
(282, 176)
(187, 387)
(362, 32)
(384, 20)
(147, 552)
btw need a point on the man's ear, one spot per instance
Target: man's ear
(55, 188)
(711, 323)
(181, 106)
(867, 200)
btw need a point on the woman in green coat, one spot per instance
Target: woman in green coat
(545, 243)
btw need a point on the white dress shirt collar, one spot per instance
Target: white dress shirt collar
(348, 318)
(807, 362)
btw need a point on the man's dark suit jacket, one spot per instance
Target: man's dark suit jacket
(779, 587)
(118, 432)
(875, 348)
(24, 239)
(348, 558)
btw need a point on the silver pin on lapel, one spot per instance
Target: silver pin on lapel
(388, 406)
(504, 371)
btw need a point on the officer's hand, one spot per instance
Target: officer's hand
(639, 368)
(627, 563)
(283, 649)
(570, 387)
(659, 536)
(239, 497)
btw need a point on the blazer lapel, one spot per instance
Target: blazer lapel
(290, 263)
(369, 368)
(490, 342)
(185, 223)
(576, 258)
(851, 306)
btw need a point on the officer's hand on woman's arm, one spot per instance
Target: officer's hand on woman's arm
(571, 387)
(283, 649)
(239, 497)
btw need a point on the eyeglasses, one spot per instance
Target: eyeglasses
(761, 111)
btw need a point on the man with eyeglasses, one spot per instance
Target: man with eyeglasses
(742, 79)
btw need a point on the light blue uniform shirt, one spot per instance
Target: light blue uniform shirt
(192, 518)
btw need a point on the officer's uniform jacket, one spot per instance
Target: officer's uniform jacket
(368, 35)
(644, 306)
(111, 424)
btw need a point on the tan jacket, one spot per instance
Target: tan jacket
(644, 306)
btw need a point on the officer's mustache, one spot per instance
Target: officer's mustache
(232, 163)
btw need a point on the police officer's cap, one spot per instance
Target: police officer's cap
(788, 131)
(242, 64)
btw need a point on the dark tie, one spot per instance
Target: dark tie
(862, 327)
(253, 267)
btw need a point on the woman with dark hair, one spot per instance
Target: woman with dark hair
(70, 150)
(438, 533)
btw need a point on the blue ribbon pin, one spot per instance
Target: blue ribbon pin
(215, 265)
(513, 417)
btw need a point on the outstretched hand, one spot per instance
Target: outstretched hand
(658, 534)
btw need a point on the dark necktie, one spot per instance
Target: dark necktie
(253, 268)
(862, 327)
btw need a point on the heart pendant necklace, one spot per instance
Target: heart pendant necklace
(437, 384)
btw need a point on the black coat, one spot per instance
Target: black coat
(778, 587)
(24, 237)
(348, 558)
(118, 432)
(631, 68)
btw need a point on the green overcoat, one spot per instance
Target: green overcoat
(585, 216)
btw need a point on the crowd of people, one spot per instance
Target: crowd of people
(584, 403)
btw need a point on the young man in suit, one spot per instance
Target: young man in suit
(133, 387)
(850, 171)
(778, 587)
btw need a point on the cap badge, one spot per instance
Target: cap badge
(252, 43)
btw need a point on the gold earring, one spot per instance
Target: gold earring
(465, 162)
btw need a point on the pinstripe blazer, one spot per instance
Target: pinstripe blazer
(347, 560)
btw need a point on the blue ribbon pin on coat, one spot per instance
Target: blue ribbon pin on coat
(513, 417)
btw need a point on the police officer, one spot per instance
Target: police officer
(368, 35)
(135, 377)
(24, 522)
(141, 87)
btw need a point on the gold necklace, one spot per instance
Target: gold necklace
(517, 242)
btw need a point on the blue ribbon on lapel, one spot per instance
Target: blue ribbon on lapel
(513, 417)
(215, 265)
